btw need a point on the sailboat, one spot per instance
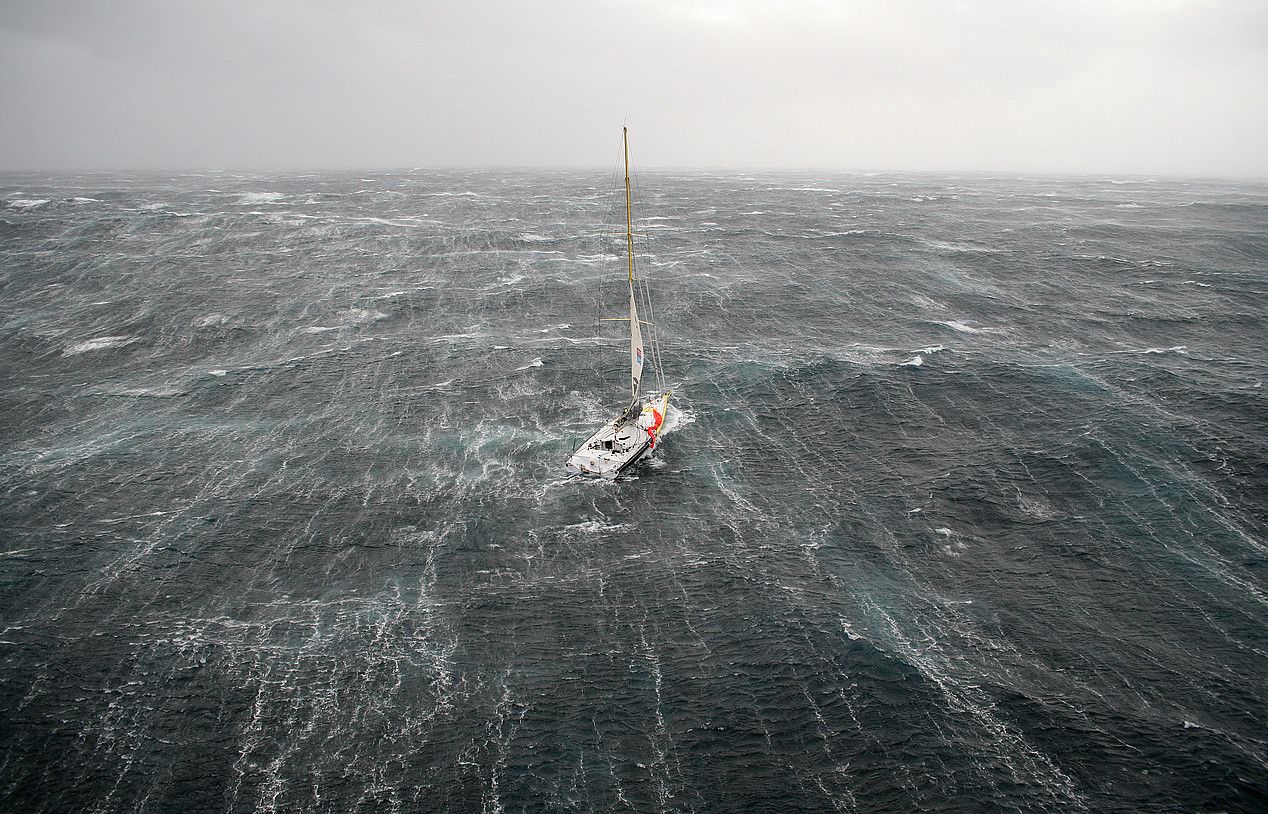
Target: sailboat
(633, 434)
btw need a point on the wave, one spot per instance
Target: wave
(965, 328)
(249, 198)
(1183, 350)
(100, 343)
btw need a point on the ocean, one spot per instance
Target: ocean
(961, 507)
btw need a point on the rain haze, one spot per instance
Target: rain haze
(1108, 86)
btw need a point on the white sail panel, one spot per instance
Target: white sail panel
(636, 350)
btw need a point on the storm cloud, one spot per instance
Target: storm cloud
(1166, 86)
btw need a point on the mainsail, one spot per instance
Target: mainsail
(636, 351)
(636, 334)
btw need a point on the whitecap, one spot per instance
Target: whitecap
(218, 373)
(931, 349)
(359, 315)
(535, 363)
(915, 361)
(26, 203)
(100, 343)
(532, 238)
(1181, 349)
(165, 392)
(963, 328)
(260, 197)
(962, 248)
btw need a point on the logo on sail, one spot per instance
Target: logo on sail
(638, 356)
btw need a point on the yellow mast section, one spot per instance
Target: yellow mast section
(629, 229)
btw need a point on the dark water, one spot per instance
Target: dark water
(285, 527)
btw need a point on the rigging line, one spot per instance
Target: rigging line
(654, 340)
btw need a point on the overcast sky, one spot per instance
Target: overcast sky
(1098, 86)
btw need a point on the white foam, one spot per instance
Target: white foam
(963, 248)
(260, 197)
(1181, 349)
(81, 199)
(100, 343)
(596, 527)
(535, 363)
(915, 361)
(26, 203)
(217, 373)
(676, 419)
(359, 315)
(931, 349)
(963, 328)
(532, 238)
(164, 392)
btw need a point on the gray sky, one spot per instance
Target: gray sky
(1101, 86)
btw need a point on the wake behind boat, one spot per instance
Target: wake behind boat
(632, 435)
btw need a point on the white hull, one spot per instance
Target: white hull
(611, 450)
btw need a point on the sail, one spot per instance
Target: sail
(636, 350)
(636, 334)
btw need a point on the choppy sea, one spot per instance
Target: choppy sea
(964, 506)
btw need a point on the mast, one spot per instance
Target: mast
(636, 335)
